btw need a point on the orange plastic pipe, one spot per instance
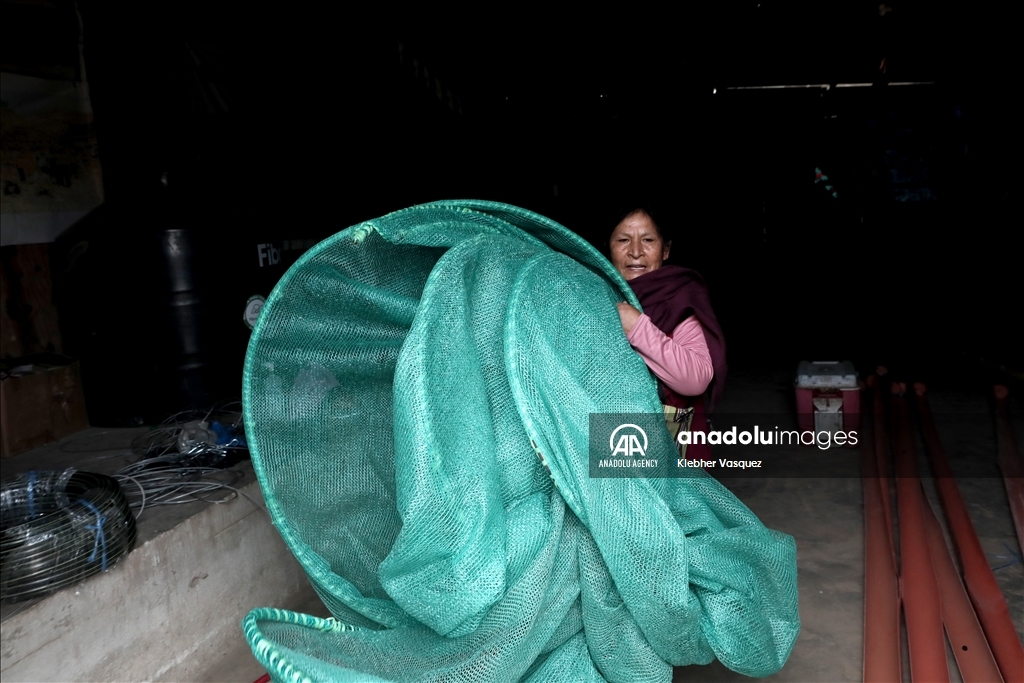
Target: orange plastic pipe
(966, 637)
(882, 454)
(1010, 462)
(988, 600)
(882, 658)
(921, 605)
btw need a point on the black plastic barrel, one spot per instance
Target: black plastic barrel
(129, 294)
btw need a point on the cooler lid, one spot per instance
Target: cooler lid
(832, 374)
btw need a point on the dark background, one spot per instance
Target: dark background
(249, 123)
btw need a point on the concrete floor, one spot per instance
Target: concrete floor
(823, 514)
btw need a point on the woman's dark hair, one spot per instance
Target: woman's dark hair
(661, 224)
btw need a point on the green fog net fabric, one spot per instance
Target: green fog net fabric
(417, 396)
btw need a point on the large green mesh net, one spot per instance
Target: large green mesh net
(417, 393)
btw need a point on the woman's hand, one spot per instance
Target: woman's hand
(628, 315)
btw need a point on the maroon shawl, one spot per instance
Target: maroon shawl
(671, 294)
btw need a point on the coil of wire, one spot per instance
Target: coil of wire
(59, 527)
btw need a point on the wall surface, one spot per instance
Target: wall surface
(49, 158)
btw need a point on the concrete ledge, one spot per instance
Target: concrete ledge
(169, 611)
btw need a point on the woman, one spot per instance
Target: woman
(677, 335)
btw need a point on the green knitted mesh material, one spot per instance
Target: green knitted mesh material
(417, 393)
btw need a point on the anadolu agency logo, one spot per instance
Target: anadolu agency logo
(628, 448)
(628, 444)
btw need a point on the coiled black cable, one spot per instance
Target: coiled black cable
(59, 527)
(185, 459)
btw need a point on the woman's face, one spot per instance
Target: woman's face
(636, 247)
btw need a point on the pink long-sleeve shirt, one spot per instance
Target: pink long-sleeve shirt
(682, 361)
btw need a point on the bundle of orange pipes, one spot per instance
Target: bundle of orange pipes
(918, 578)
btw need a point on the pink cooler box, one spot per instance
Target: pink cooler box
(827, 396)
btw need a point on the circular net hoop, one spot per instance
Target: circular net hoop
(417, 394)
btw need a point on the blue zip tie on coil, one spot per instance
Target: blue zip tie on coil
(31, 494)
(99, 539)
